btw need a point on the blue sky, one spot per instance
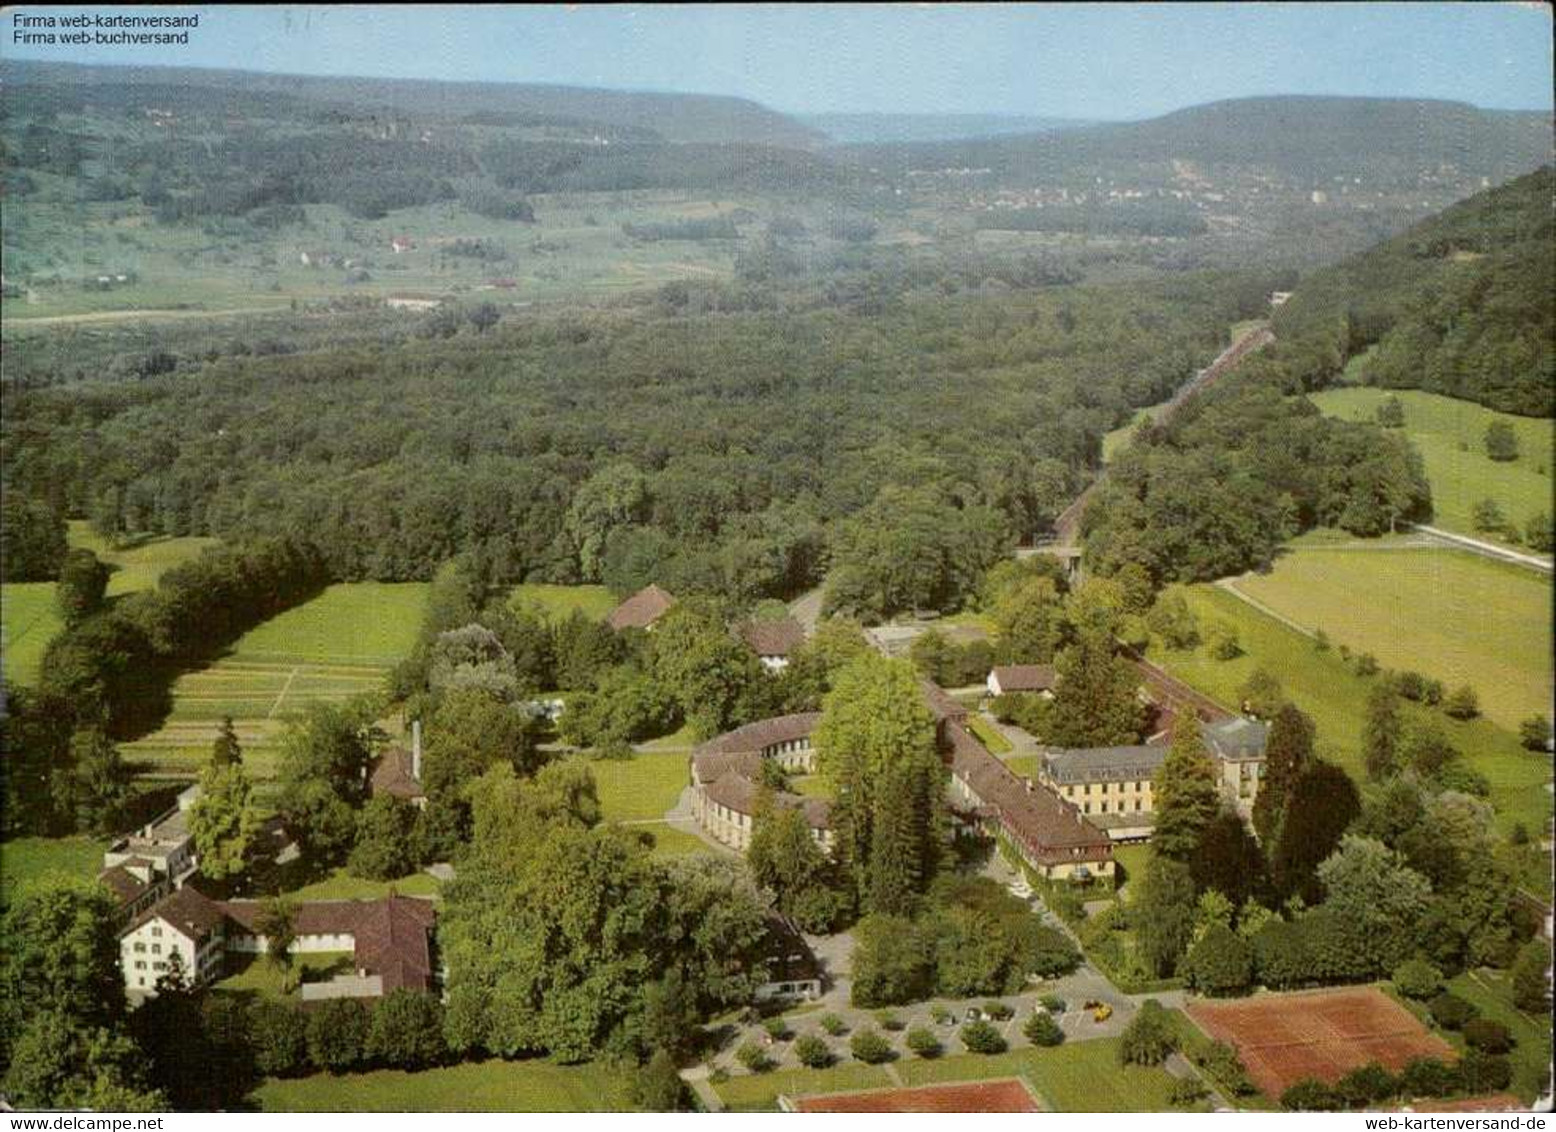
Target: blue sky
(1093, 61)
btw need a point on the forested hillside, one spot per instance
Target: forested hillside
(1463, 304)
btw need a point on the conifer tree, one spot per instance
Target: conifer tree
(1289, 750)
(1184, 793)
(1095, 701)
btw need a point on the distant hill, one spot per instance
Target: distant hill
(1460, 304)
(851, 129)
(672, 117)
(1318, 137)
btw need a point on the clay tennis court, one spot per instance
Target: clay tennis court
(1009, 1095)
(1285, 1038)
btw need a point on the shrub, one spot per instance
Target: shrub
(657, 1085)
(1452, 1012)
(1418, 979)
(923, 1042)
(1186, 1092)
(888, 1020)
(1487, 1035)
(1530, 990)
(337, 1034)
(1366, 664)
(406, 1030)
(812, 1052)
(1480, 1072)
(777, 1028)
(939, 1015)
(1221, 963)
(982, 1037)
(1220, 1061)
(1367, 1084)
(1148, 1038)
(1427, 1077)
(1310, 1096)
(833, 1025)
(1053, 1003)
(870, 1048)
(754, 1058)
(1224, 643)
(1462, 703)
(998, 1010)
(1042, 1030)
(1535, 733)
(278, 1038)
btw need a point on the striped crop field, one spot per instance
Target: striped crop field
(340, 644)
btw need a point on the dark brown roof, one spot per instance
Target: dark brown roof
(709, 766)
(392, 775)
(125, 885)
(1024, 677)
(1050, 828)
(739, 793)
(187, 911)
(773, 638)
(789, 958)
(763, 733)
(391, 936)
(641, 610)
(941, 703)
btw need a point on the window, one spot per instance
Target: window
(1137, 805)
(156, 932)
(140, 964)
(1088, 789)
(1085, 807)
(159, 966)
(156, 949)
(140, 947)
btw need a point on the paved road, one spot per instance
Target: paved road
(1487, 549)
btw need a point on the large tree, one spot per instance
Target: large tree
(1322, 806)
(875, 747)
(1162, 913)
(324, 760)
(83, 580)
(1184, 792)
(1382, 731)
(224, 821)
(1288, 751)
(707, 671)
(1096, 701)
(1377, 899)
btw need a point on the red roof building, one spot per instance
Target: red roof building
(641, 610)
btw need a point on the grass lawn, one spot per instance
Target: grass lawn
(1450, 435)
(486, 1086)
(340, 644)
(1074, 1077)
(1449, 614)
(25, 859)
(341, 885)
(759, 1092)
(988, 735)
(1117, 440)
(256, 975)
(1531, 1056)
(671, 842)
(138, 564)
(559, 602)
(683, 739)
(29, 620)
(1324, 687)
(810, 786)
(640, 788)
(1133, 858)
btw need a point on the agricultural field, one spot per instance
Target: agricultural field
(487, 1086)
(560, 602)
(1449, 614)
(1450, 435)
(29, 619)
(1323, 685)
(340, 644)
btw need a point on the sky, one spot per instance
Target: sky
(1110, 61)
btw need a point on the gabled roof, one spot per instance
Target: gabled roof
(773, 638)
(1024, 677)
(763, 733)
(940, 702)
(125, 885)
(188, 912)
(641, 610)
(392, 775)
(1103, 764)
(391, 936)
(1238, 738)
(738, 793)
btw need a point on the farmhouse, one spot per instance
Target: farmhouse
(1005, 679)
(726, 778)
(791, 965)
(641, 610)
(772, 641)
(390, 940)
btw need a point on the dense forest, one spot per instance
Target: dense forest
(1461, 304)
(715, 452)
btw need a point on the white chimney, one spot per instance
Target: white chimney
(416, 749)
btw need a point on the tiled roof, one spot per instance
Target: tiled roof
(941, 703)
(188, 912)
(740, 794)
(709, 766)
(773, 638)
(1103, 764)
(1024, 677)
(789, 958)
(391, 936)
(641, 610)
(1238, 738)
(125, 885)
(763, 733)
(392, 775)
(1051, 829)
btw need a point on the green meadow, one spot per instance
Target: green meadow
(1449, 614)
(1323, 685)
(559, 602)
(25, 859)
(486, 1086)
(1450, 435)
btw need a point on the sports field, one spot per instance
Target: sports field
(1321, 684)
(1450, 435)
(1448, 614)
(338, 645)
(1285, 1038)
(486, 1086)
